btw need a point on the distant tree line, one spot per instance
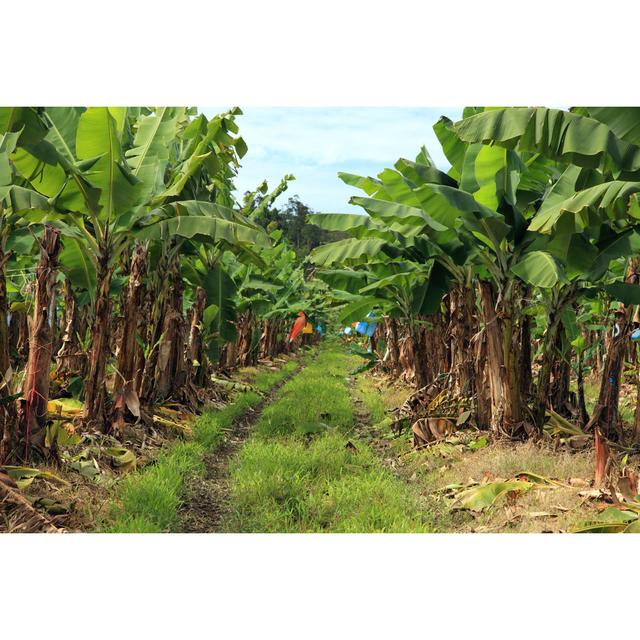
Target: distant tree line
(291, 218)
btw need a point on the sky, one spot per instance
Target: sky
(315, 143)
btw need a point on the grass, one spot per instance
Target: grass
(379, 396)
(626, 403)
(316, 395)
(211, 425)
(265, 380)
(149, 501)
(300, 472)
(287, 485)
(557, 509)
(430, 470)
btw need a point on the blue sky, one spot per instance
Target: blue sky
(315, 143)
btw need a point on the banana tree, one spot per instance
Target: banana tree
(193, 236)
(17, 241)
(102, 170)
(594, 202)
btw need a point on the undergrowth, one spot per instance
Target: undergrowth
(148, 501)
(300, 472)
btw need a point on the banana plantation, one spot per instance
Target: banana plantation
(459, 355)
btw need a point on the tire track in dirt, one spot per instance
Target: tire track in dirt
(380, 445)
(208, 499)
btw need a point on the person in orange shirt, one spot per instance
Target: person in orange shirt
(298, 325)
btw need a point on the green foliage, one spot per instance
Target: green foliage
(291, 219)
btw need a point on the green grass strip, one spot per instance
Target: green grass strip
(297, 472)
(149, 500)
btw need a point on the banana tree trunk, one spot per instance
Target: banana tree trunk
(70, 359)
(245, 334)
(560, 388)
(502, 357)
(35, 390)
(124, 391)
(605, 413)
(392, 357)
(230, 356)
(481, 373)
(436, 344)
(461, 331)
(277, 343)
(196, 364)
(417, 347)
(146, 312)
(636, 417)
(406, 355)
(7, 411)
(94, 386)
(19, 337)
(267, 346)
(549, 355)
(170, 372)
(582, 405)
(525, 377)
(598, 358)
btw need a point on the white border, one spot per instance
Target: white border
(334, 52)
(347, 52)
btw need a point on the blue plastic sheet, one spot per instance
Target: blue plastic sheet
(367, 328)
(362, 328)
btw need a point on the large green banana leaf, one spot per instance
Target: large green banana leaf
(453, 148)
(623, 121)
(148, 158)
(588, 208)
(220, 290)
(351, 249)
(358, 309)
(98, 142)
(76, 263)
(539, 269)
(203, 222)
(560, 135)
(344, 279)
(391, 210)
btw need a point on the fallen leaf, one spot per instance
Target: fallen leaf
(133, 402)
(485, 495)
(24, 476)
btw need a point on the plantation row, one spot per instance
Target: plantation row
(129, 274)
(500, 285)
(503, 288)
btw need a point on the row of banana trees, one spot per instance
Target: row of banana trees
(511, 273)
(127, 268)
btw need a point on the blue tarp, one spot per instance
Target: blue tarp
(367, 328)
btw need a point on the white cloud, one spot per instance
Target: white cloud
(315, 143)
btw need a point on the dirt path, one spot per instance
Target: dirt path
(208, 498)
(363, 428)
